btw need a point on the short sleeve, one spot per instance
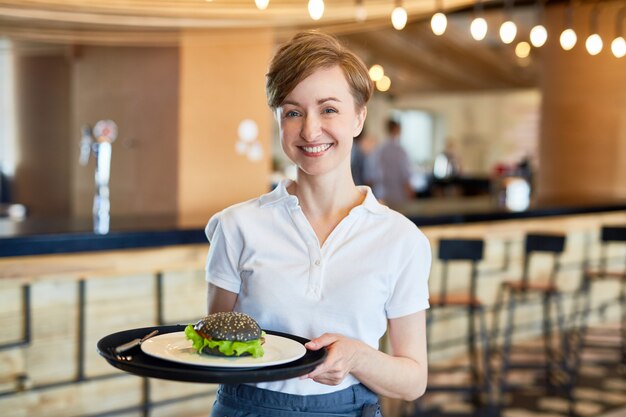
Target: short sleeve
(410, 291)
(223, 259)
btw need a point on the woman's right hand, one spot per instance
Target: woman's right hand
(343, 354)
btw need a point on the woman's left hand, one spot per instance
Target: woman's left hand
(343, 354)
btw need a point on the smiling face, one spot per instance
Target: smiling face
(317, 123)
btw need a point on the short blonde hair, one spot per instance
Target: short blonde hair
(304, 54)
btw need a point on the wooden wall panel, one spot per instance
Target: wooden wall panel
(137, 87)
(582, 151)
(222, 82)
(42, 176)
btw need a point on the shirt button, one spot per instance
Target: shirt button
(317, 262)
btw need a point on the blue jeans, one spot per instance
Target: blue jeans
(248, 401)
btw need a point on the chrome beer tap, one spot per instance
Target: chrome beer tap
(97, 142)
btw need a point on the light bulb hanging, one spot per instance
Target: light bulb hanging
(478, 27)
(399, 16)
(360, 12)
(316, 9)
(261, 4)
(508, 29)
(568, 37)
(539, 34)
(439, 21)
(618, 46)
(508, 32)
(594, 43)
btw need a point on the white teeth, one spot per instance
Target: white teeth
(316, 149)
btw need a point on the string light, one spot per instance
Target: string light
(508, 32)
(618, 46)
(568, 37)
(262, 4)
(439, 21)
(478, 27)
(399, 16)
(316, 9)
(594, 41)
(539, 34)
(508, 29)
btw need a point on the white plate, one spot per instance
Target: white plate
(177, 348)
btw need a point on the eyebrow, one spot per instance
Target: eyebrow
(320, 101)
(324, 100)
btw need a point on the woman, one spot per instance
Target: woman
(319, 257)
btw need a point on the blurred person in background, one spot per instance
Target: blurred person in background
(389, 171)
(362, 146)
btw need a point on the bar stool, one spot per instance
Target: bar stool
(456, 304)
(519, 292)
(610, 236)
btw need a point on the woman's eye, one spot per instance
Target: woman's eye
(292, 113)
(329, 110)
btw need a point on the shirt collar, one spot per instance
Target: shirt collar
(280, 194)
(370, 202)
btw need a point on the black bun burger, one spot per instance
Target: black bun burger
(227, 334)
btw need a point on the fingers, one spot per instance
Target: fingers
(327, 375)
(339, 361)
(324, 340)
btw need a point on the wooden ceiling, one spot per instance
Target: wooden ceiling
(415, 59)
(205, 14)
(418, 61)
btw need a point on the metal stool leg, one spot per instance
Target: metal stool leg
(506, 350)
(562, 339)
(623, 324)
(497, 311)
(486, 382)
(473, 356)
(547, 340)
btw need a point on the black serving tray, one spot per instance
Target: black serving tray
(136, 362)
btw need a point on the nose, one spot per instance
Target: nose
(311, 128)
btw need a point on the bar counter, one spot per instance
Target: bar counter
(63, 288)
(38, 236)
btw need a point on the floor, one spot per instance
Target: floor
(599, 392)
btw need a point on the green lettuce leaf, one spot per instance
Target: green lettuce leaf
(228, 348)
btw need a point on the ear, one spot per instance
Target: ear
(360, 120)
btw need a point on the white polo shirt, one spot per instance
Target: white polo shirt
(373, 266)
